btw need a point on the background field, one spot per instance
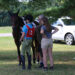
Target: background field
(64, 62)
(7, 29)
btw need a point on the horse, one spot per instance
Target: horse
(38, 38)
(17, 23)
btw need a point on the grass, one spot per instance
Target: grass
(63, 60)
(63, 54)
(5, 29)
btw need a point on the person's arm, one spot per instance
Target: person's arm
(21, 27)
(23, 34)
(55, 30)
(42, 31)
(24, 31)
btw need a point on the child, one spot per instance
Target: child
(27, 34)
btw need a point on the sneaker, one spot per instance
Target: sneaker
(41, 65)
(23, 68)
(51, 68)
(29, 68)
(45, 68)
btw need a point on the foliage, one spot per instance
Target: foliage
(7, 4)
(50, 8)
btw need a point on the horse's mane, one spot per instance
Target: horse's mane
(19, 22)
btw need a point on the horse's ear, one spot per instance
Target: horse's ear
(10, 13)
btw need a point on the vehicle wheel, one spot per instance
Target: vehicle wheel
(69, 39)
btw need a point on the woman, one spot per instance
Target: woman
(46, 42)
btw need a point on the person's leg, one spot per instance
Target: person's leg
(41, 62)
(28, 51)
(23, 61)
(38, 57)
(29, 60)
(37, 52)
(50, 56)
(23, 54)
(44, 51)
(44, 46)
(41, 56)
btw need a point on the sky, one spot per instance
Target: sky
(24, 0)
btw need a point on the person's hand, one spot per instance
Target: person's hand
(20, 40)
(21, 28)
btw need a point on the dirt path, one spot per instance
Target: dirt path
(5, 34)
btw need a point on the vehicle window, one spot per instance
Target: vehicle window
(54, 24)
(69, 22)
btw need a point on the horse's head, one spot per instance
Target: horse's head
(16, 21)
(14, 18)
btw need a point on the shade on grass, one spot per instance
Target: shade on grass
(62, 53)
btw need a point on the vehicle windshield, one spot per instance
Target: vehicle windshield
(69, 22)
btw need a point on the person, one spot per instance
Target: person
(27, 34)
(38, 45)
(46, 42)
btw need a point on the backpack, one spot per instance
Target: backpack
(30, 32)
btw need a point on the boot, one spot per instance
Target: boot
(29, 61)
(23, 62)
(41, 65)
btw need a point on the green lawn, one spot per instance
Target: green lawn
(63, 60)
(6, 29)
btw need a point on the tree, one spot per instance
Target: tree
(55, 8)
(6, 4)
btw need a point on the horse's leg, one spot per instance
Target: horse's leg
(33, 49)
(19, 55)
(37, 51)
(18, 50)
